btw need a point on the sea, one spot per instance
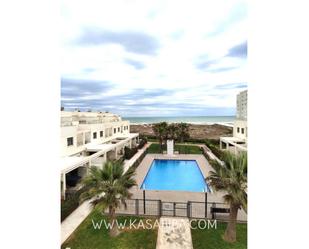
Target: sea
(225, 120)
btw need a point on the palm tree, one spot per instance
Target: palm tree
(109, 188)
(160, 130)
(182, 132)
(231, 177)
(171, 132)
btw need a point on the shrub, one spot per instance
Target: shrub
(215, 142)
(194, 140)
(138, 161)
(70, 203)
(150, 137)
(142, 142)
(129, 153)
(144, 137)
(215, 150)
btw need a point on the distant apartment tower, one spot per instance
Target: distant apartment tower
(241, 113)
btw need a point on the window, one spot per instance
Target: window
(94, 135)
(70, 141)
(242, 130)
(101, 133)
(118, 129)
(114, 130)
(237, 129)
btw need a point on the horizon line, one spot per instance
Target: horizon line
(179, 116)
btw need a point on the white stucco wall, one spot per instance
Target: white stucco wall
(80, 130)
(170, 147)
(240, 124)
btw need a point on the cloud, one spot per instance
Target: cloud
(237, 13)
(204, 63)
(71, 88)
(153, 108)
(239, 51)
(145, 102)
(136, 64)
(231, 86)
(132, 41)
(221, 69)
(147, 59)
(214, 66)
(89, 70)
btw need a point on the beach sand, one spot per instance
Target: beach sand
(197, 131)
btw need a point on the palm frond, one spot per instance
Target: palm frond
(108, 186)
(231, 177)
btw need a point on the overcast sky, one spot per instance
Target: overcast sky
(153, 58)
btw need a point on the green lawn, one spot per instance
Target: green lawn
(212, 238)
(154, 148)
(183, 149)
(188, 149)
(86, 237)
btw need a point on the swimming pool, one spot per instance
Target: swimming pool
(179, 175)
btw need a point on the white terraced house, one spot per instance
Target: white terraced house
(238, 142)
(89, 139)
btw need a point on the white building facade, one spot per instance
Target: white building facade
(90, 139)
(240, 129)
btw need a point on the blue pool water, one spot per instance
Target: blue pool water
(181, 175)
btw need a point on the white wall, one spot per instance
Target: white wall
(240, 124)
(72, 131)
(170, 147)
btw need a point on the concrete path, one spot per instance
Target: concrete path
(69, 225)
(174, 233)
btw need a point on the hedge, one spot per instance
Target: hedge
(215, 150)
(142, 142)
(139, 160)
(129, 153)
(70, 203)
(214, 142)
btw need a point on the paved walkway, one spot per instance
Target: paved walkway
(174, 233)
(69, 225)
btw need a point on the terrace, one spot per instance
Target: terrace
(74, 168)
(233, 144)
